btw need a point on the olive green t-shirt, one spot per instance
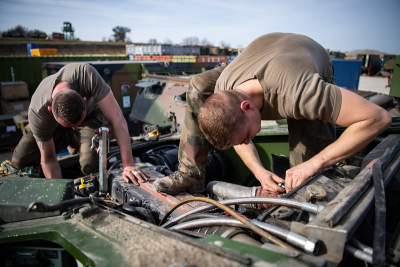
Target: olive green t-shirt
(81, 77)
(295, 73)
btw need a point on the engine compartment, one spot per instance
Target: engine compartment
(298, 218)
(330, 220)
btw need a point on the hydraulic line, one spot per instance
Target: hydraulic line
(42, 207)
(263, 215)
(379, 246)
(315, 209)
(243, 220)
(358, 253)
(308, 245)
(361, 246)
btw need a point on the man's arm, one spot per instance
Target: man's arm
(250, 157)
(51, 167)
(112, 112)
(364, 121)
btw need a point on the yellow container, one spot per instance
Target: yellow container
(37, 52)
(187, 59)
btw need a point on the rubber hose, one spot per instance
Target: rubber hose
(243, 220)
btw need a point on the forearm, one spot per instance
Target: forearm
(352, 140)
(122, 136)
(249, 155)
(51, 168)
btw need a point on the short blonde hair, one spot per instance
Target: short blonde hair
(219, 116)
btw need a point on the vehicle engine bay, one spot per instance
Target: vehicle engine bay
(332, 219)
(334, 205)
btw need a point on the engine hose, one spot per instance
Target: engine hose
(243, 220)
(246, 200)
(309, 245)
(359, 254)
(263, 215)
(112, 167)
(197, 216)
(79, 194)
(42, 207)
(379, 246)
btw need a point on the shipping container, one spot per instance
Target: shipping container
(221, 59)
(29, 69)
(165, 58)
(142, 58)
(44, 52)
(29, 47)
(58, 36)
(346, 73)
(189, 59)
(230, 58)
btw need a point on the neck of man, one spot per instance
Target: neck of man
(252, 88)
(60, 85)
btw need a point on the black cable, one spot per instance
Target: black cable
(379, 246)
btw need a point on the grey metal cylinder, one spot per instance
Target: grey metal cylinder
(222, 190)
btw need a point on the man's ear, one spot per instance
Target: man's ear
(84, 100)
(49, 108)
(245, 106)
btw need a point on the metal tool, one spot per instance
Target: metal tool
(150, 136)
(101, 138)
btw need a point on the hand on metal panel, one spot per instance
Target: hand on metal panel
(136, 175)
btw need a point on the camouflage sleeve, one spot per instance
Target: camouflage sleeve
(193, 147)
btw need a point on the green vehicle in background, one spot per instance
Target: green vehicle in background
(345, 215)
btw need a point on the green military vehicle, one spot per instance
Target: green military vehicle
(345, 215)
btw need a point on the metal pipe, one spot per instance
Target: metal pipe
(221, 190)
(308, 245)
(349, 196)
(358, 253)
(246, 222)
(273, 200)
(361, 246)
(103, 150)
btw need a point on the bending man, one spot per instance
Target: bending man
(278, 76)
(64, 111)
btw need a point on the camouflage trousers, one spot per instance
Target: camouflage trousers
(306, 138)
(27, 152)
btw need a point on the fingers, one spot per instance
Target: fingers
(273, 187)
(136, 175)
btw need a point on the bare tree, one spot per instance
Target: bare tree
(168, 41)
(206, 42)
(153, 41)
(120, 33)
(191, 41)
(16, 32)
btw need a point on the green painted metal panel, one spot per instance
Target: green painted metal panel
(90, 247)
(28, 69)
(266, 142)
(269, 258)
(16, 194)
(395, 83)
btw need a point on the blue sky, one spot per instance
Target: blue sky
(339, 25)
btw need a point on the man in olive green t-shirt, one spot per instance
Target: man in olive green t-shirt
(277, 76)
(64, 111)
